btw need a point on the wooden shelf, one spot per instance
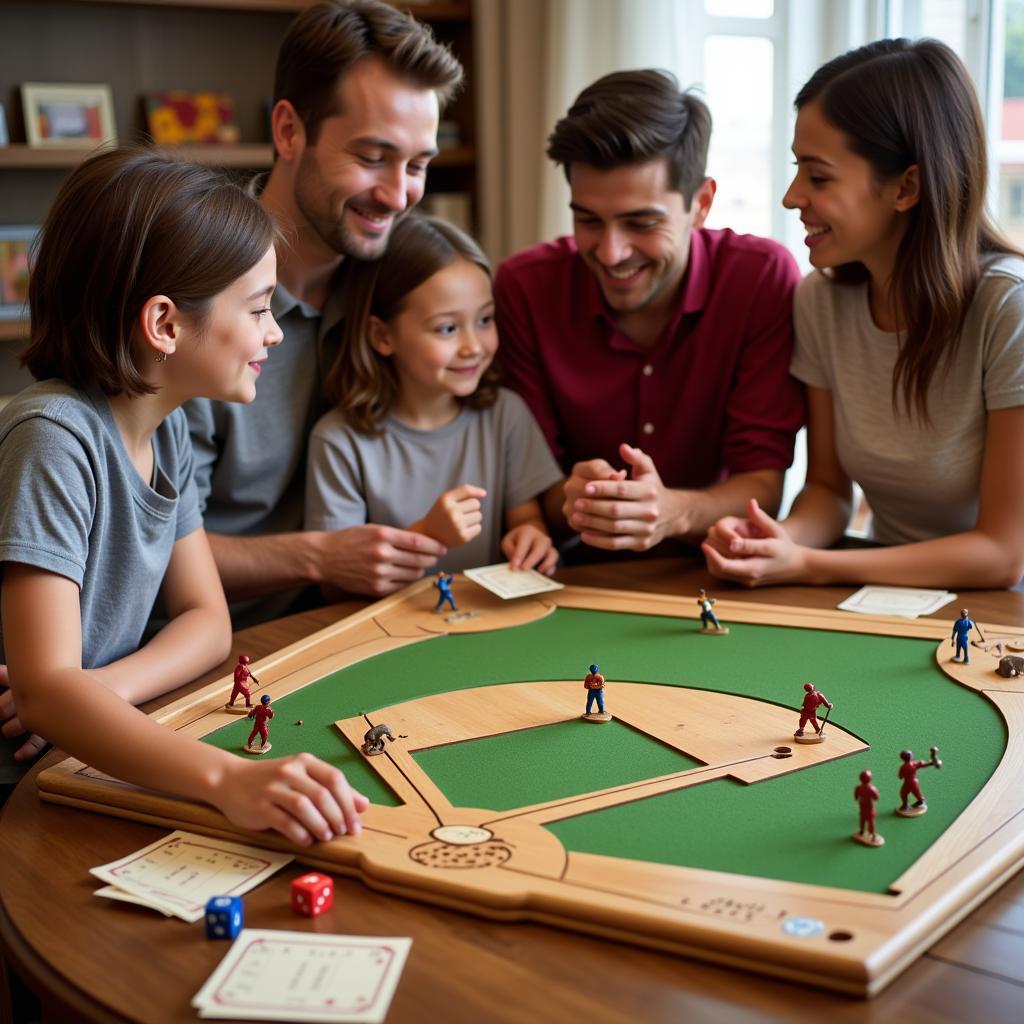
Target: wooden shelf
(21, 156)
(13, 330)
(456, 156)
(437, 10)
(254, 155)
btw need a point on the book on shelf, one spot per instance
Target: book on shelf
(454, 207)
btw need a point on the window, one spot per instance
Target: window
(732, 55)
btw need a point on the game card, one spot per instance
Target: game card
(303, 976)
(181, 872)
(501, 580)
(910, 602)
(111, 892)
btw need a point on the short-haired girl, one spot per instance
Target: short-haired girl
(421, 437)
(150, 287)
(909, 336)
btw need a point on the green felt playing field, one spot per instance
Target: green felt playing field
(886, 690)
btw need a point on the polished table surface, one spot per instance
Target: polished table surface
(97, 962)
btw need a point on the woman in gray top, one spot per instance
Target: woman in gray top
(909, 336)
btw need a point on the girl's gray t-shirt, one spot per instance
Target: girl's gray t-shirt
(72, 503)
(922, 480)
(395, 477)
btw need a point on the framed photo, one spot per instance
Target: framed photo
(176, 117)
(15, 245)
(68, 115)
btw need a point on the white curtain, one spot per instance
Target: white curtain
(533, 57)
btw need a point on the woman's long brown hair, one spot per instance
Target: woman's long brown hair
(901, 103)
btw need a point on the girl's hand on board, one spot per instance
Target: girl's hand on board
(527, 546)
(302, 797)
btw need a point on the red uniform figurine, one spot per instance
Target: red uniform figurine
(242, 677)
(261, 715)
(813, 699)
(866, 795)
(911, 787)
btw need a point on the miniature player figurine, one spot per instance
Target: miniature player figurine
(867, 796)
(374, 740)
(709, 623)
(594, 685)
(911, 787)
(242, 677)
(962, 637)
(813, 699)
(444, 588)
(261, 715)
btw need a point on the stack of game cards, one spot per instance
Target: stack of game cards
(178, 874)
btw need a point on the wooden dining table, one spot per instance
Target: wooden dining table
(85, 959)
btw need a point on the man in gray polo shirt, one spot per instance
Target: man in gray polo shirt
(357, 93)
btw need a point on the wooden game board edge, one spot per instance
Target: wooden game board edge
(713, 941)
(862, 977)
(992, 805)
(206, 699)
(175, 812)
(647, 603)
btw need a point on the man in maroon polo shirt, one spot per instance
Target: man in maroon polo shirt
(653, 352)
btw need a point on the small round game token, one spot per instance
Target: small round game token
(866, 839)
(912, 812)
(801, 927)
(256, 751)
(299, 722)
(237, 709)
(597, 716)
(462, 835)
(814, 737)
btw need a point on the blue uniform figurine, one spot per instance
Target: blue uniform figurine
(444, 589)
(962, 637)
(707, 616)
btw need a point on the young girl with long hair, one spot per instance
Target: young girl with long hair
(909, 337)
(151, 286)
(421, 437)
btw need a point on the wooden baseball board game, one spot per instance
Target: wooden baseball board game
(692, 822)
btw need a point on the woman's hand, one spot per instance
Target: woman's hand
(755, 551)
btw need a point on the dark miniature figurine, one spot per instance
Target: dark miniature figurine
(867, 796)
(594, 685)
(709, 623)
(911, 787)
(813, 699)
(374, 740)
(444, 589)
(1010, 666)
(962, 637)
(242, 676)
(261, 715)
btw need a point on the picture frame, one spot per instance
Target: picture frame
(15, 252)
(79, 115)
(176, 117)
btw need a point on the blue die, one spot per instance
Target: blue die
(224, 917)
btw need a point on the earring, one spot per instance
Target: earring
(161, 357)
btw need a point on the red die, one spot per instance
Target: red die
(312, 894)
